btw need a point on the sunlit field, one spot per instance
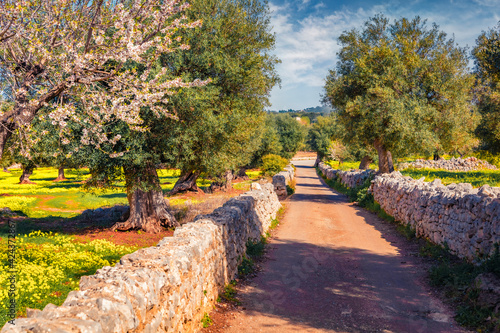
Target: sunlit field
(50, 265)
(66, 198)
(476, 178)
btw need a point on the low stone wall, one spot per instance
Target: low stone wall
(466, 219)
(453, 164)
(282, 179)
(350, 179)
(166, 288)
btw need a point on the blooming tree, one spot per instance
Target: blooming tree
(84, 48)
(94, 63)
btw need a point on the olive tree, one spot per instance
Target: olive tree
(402, 88)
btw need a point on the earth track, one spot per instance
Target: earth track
(334, 267)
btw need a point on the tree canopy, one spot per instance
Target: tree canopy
(220, 124)
(487, 67)
(403, 88)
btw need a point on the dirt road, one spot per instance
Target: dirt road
(334, 267)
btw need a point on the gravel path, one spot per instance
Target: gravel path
(333, 267)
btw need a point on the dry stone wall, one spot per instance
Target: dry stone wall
(466, 219)
(282, 179)
(350, 179)
(166, 288)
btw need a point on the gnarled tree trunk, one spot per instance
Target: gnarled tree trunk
(365, 162)
(223, 184)
(385, 164)
(241, 174)
(60, 174)
(148, 209)
(187, 182)
(27, 172)
(436, 156)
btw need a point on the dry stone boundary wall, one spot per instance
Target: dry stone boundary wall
(466, 219)
(350, 179)
(166, 288)
(453, 164)
(282, 179)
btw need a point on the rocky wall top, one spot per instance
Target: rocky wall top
(453, 164)
(168, 287)
(351, 179)
(282, 179)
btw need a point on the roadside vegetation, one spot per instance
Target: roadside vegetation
(49, 266)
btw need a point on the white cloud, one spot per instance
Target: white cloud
(308, 45)
(489, 3)
(320, 5)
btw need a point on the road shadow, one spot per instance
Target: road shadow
(320, 287)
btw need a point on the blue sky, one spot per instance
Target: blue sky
(307, 31)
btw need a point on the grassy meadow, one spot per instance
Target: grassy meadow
(50, 265)
(66, 198)
(475, 178)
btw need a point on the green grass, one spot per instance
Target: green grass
(456, 278)
(49, 266)
(348, 165)
(206, 321)
(229, 294)
(67, 198)
(476, 178)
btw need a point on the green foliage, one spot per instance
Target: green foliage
(272, 164)
(476, 178)
(229, 294)
(403, 87)
(457, 277)
(321, 133)
(488, 156)
(347, 165)
(487, 60)
(270, 143)
(407, 230)
(50, 265)
(246, 266)
(256, 249)
(206, 321)
(221, 125)
(291, 134)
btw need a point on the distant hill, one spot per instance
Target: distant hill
(314, 109)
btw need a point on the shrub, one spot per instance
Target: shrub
(272, 164)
